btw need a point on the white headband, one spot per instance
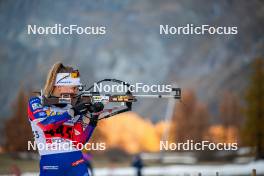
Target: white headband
(67, 79)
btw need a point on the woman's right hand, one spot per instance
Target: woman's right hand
(81, 108)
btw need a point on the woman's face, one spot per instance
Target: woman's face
(59, 90)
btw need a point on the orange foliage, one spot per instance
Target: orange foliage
(133, 134)
(218, 133)
(130, 132)
(163, 127)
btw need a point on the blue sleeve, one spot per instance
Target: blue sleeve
(35, 111)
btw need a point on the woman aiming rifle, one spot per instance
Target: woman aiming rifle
(60, 127)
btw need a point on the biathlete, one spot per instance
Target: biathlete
(60, 128)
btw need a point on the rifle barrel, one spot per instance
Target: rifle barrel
(157, 96)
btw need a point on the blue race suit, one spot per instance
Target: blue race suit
(58, 135)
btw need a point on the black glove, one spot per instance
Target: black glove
(81, 108)
(96, 107)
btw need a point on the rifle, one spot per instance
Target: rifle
(98, 100)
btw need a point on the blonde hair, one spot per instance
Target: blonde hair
(51, 78)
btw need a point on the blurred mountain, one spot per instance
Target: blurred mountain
(132, 49)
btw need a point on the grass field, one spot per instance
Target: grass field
(105, 167)
(7, 162)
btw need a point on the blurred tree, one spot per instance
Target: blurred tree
(190, 119)
(216, 133)
(17, 128)
(253, 133)
(230, 112)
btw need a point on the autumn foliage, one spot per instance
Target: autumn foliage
(17, 127)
